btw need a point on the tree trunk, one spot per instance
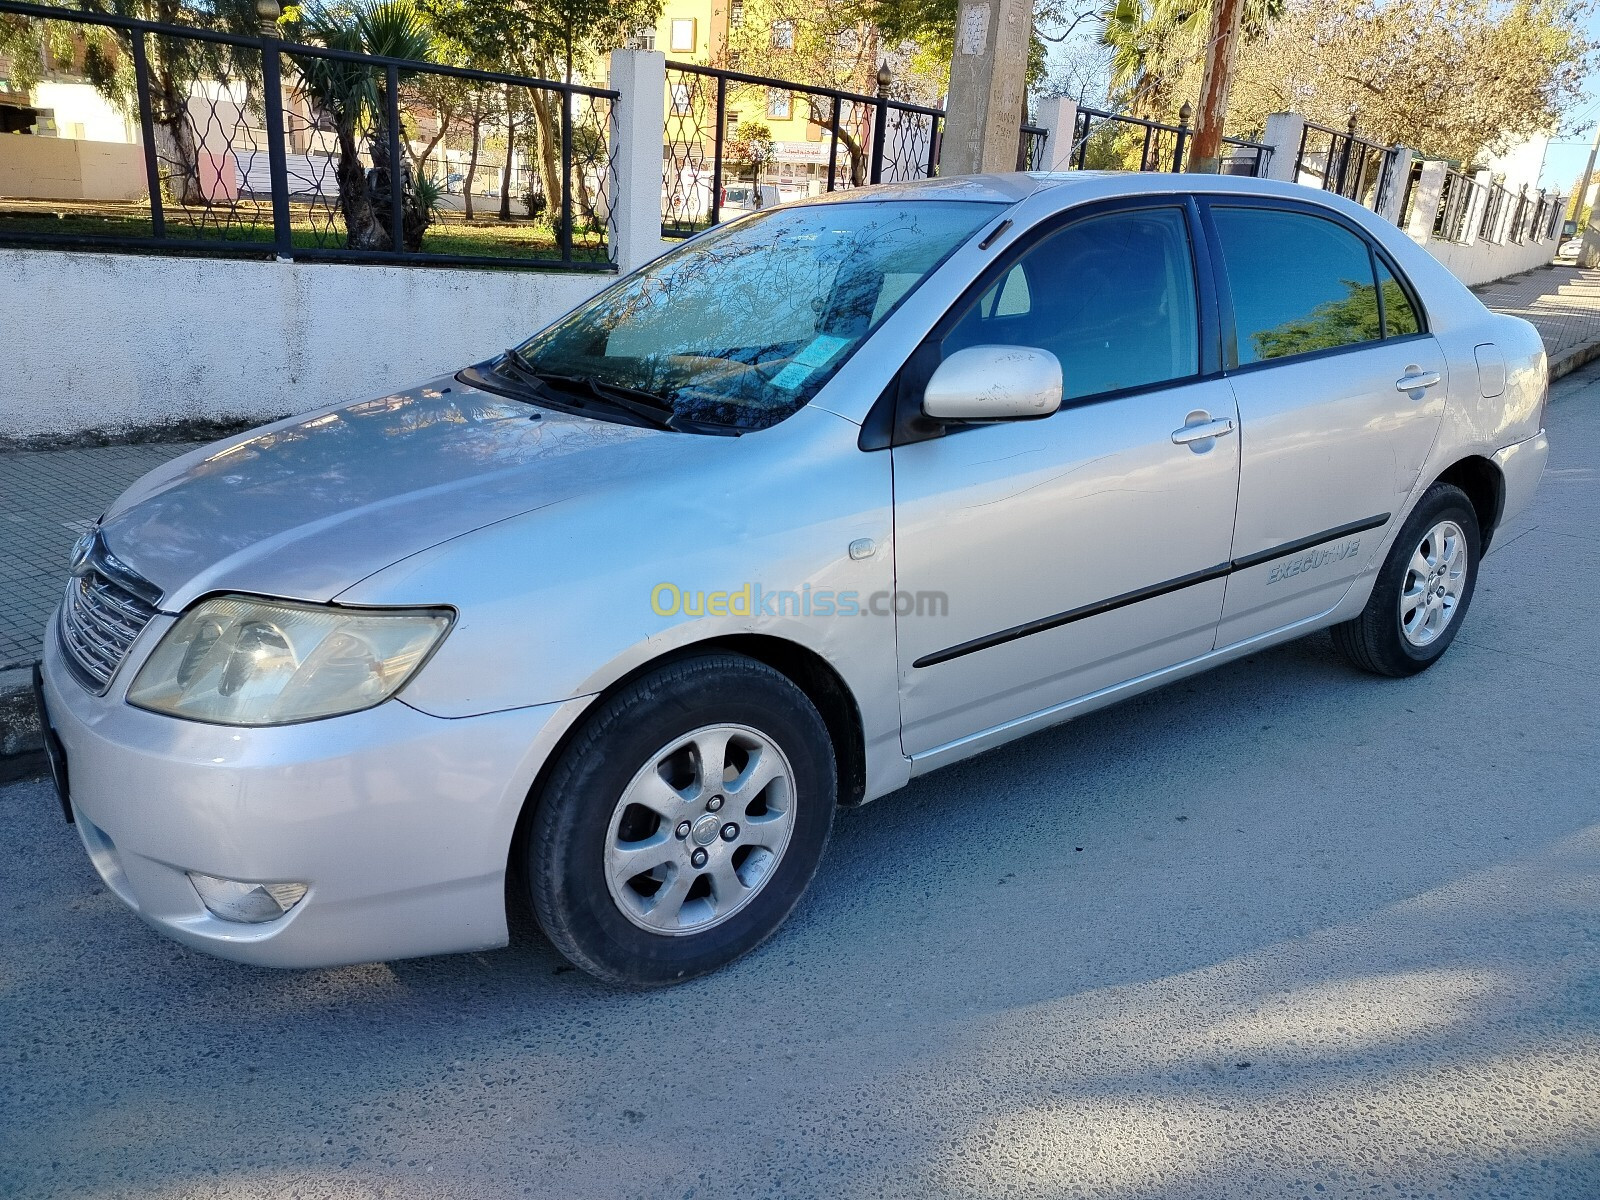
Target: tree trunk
(472, 165)
(446, 116)
(549, 158)
(362, 228)
(511, 147)
(1205, 151)
(858, 160)
(176, 148)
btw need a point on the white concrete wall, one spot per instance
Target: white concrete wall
(82, 104)
(1522, 164)
(102, 342)
(47, 168)
(1474, 263)
(1484, 262)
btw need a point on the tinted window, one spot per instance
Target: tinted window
(1399, 317)
(1299, 283)
(1112, 297)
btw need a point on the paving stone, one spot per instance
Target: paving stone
(47, 498)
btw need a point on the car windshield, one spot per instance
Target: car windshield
(740, 327)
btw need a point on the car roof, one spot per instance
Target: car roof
(1068, 187)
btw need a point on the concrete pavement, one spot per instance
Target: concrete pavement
(1283, 930)
(1563, 300)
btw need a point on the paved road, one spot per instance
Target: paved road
(1284, 930)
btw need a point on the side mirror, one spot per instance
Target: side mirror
(994, 383)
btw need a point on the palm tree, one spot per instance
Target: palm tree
(1151, 42)
(355, 98)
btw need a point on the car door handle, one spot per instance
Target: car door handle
(1201, 430)
(1415, 381)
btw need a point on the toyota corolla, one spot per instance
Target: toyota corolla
(829, 497)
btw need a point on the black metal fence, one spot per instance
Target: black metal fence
(851, 139)
(709, 170)
(1344, 162)
(1497, 207)
(1494, 213)
(1408, 198)
(258, 146)
(1457, 198)
(1031, 147)
(1107, 141)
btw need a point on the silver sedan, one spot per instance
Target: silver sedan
(826, 498)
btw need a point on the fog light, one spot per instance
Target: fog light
(248, 902)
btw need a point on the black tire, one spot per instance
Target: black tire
(572, 821)
(1375, 641)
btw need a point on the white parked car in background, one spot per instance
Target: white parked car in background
(826, 498)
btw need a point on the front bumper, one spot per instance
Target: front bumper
(400, 822)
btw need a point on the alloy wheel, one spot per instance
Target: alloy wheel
(700, 829)
(1434, 581)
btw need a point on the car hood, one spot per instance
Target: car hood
(308, 507)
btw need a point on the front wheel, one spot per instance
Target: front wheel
(1422, 592)
(683, 822)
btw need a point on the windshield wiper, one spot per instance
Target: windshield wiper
(646, 405)
(554, 388)
(515, 358)
(582, 391)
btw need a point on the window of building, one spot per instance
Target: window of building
(645, 39)
(683, 34)
(783, 35)
(682, 100)
(736, 12)
(1299, 283)
(780, 104)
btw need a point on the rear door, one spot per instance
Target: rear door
(1340, 391)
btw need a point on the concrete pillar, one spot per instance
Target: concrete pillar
(1059, 115)
(1284, 131)
(638, 123)
(1425, 201)
(987, 82)
(1589, 251)
(1480, 199)
(1398, 171)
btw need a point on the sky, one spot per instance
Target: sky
(1564, 160)
(1568, 150)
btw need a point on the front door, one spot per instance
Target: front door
(1340, 391)
(1043, 560)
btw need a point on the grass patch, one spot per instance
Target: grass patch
(484, 237)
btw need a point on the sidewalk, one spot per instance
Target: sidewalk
(1563, 301)
(47, 497)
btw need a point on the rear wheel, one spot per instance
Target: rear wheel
(1423, 590)
(683, 822)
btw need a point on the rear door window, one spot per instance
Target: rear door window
(1299, 283)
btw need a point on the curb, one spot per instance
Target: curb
(21, 741)
(1572, 359)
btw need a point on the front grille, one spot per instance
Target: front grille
(100, 617)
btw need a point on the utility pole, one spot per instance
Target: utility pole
(1205, 152)
(1581, 192)
(988, 75)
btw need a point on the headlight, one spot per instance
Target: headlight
(237, 660)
